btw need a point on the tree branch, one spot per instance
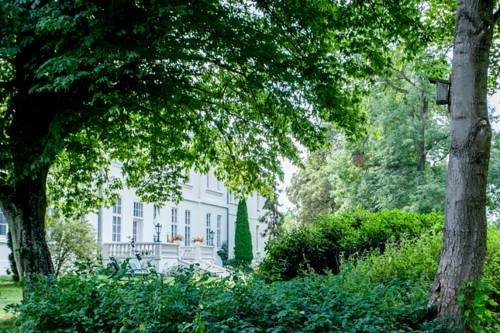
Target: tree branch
(394, 86)
(431, 145)
(155, 113)
(406, 78)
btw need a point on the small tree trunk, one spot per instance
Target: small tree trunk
(464, 243)
(26, 216)
(421, 152)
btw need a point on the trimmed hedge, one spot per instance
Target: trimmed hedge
(322, 246)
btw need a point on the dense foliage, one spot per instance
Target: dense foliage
(377, 293)
(400, 163)
(322, 246)
(349, 302)
(164, 86)
(243, 253)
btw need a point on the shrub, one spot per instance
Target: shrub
(371, 293)
(321, 247)
(198, 303)
(481, 299)
(243, 239)
(223, 253)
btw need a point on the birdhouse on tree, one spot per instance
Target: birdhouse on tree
(442, 91)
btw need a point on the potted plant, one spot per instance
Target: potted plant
(198, 240)
(178, 239)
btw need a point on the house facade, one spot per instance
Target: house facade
(207, 210)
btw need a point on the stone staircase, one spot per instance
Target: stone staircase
(206, 266)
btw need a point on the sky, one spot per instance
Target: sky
(289, 168)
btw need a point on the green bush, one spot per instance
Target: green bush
(481, 299)
(199, 303)
(371, 293)
(243, 238)
(321, 247)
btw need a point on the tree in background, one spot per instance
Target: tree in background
(243, 253)
(272, 218)
(70, 241)
(163, 87)
(311, 189)
(400, 163)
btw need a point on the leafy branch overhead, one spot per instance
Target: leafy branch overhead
(165, 86)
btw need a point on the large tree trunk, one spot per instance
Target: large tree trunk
(464, 243)
(26, 217)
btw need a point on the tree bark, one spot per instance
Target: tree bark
(464, 243)
(421, 149)
(26, 217)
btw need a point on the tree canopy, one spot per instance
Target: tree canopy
(165, 86)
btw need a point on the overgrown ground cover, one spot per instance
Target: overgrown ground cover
(10, 293)
(373, 293)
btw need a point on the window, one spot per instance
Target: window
(138, 209)
(117, 207)
(187, 228)
(219, 225)
(117, 221)
(117, 228)
(3, 224)
(173, 230)
(208, 231)
(134, 231)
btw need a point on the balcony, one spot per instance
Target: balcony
(163, 256)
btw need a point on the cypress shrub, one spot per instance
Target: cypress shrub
(243, 239)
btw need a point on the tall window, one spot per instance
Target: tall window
(134, 231)
(219, 226)
(187, 228)
(117, 221)
(156, 212)
(3, 224)
(208, 230)
(138, 209)
(173, 230)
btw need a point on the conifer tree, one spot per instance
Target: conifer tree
(243, 238)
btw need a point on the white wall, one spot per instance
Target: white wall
(199, 196)
(4, 257)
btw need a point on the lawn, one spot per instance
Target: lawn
(10, 292)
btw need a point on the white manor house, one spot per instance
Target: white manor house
(207, 211)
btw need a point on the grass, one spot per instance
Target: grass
(10, 292)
